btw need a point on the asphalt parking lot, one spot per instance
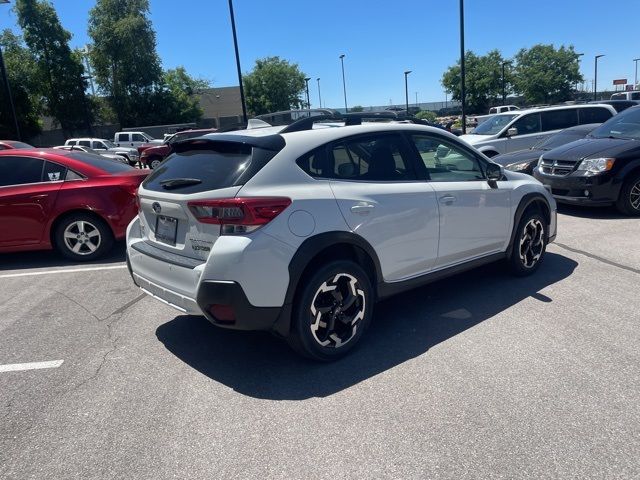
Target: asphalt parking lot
(480, 376)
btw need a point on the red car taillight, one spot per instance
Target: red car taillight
(238, 215)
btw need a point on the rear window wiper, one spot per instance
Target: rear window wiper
(179, 182)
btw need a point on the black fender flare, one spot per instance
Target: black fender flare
(525, 202)
(309, 249)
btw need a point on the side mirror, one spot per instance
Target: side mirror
(494, 173)
(512, 132)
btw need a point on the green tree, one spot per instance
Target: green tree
(483, 80)
(274, 85)
(22, 72)
(427, 115)
(544, 74)
(356, 108)
(125, 63)
(59, 69)
(182, 95)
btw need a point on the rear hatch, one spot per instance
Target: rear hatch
(199, 170)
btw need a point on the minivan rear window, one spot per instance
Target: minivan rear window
(208, 167)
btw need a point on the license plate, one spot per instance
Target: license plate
(166, 229)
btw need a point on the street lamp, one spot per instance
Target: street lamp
(595, 79)
(319, 96)
(306, 80)
(504, 89)
(463, 93)
(406, 90)
(635, 82)
(235, 44)
(344, 85)
(8, 88)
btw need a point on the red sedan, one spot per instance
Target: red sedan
(75, 202)
(11, 144)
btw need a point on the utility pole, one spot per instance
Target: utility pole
(344, 85)
(406, 90)
(463, 93)
(595, 80)
(319, 96)
(306, 81)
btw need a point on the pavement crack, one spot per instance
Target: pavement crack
(78, 304)
(598, 258)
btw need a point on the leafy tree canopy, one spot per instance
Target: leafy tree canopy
(274, 85)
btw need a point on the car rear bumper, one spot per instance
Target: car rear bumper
(579, 190)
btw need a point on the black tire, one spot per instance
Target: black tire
(311, 333)
(530, 244)
(153, 163)
(96, 241)
(629, 200)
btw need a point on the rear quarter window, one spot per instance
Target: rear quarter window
(593, 115)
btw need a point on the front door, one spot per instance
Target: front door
(473, 216)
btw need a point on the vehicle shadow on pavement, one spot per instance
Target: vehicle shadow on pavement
(600, 213)
(50, 258)
(406, 326)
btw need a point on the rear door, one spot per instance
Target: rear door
(28, 191)
(382, 199)
(474, 217)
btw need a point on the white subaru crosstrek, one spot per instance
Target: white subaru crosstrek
(301, 229)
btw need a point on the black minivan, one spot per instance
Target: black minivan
(601, 169)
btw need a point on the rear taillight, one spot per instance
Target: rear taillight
(238, 215)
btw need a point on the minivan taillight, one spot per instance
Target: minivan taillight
(238, 215)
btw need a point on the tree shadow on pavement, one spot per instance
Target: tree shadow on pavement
(406, 326)
(50, 258)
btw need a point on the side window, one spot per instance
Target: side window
(123, 137)
(594, 115)
(99, 146)
(71, 175)
(635, 96)
(20, 170)
(446, 162)
(53, 172)
(528, 124)
(136, 137)
(559, 119)
(84, 143)
(2, 147)
(379, 158)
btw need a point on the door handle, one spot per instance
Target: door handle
(448, 199)
(363, 208)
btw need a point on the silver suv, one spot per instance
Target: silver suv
(299, 230)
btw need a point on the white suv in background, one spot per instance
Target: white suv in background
(299, 230)
(522, 129)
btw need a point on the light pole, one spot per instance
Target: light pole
(235, 44)
(595, 79)
(504, 84)
(463, 93)
(344, 85)
(8, 88)
(416, 99)
(635, 81)
(406, 90)
(319, 96)
(306, 81)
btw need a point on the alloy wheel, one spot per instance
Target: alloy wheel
(531, 243)
(82, 237)
(337, 309)
(634, 195)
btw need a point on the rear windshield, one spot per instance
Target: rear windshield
(208, 167)
(98, 161)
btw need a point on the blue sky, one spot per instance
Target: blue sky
(380, 38)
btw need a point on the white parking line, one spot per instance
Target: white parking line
(18, 367)
(70, 270)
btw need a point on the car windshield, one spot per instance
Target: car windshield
(109, 143)
(625, 125)
(170, 139)
(493, 125)
(558, 139)
(103, 163)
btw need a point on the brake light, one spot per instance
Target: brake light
(238, 215)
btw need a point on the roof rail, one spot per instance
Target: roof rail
(353, 118)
